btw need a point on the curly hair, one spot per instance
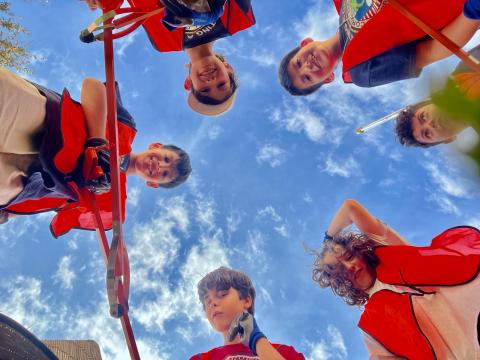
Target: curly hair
(286, 81)
(337, 278)
(224, 278)
(404, 129)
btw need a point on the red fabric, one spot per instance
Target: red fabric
(453, 258)
(388, 318)
(34, 206)
(233, 19)
(389, 29)
(240, 352)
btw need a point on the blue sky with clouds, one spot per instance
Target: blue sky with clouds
(267, 178)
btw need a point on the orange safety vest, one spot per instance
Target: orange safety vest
(453, 258)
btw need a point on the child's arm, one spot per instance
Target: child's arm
(94, 103)
(266, 351)
(460, 31)
(352, 211)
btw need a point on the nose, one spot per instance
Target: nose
(350, 266)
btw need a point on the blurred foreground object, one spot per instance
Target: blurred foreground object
(74, 349)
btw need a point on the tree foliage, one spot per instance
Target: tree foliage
(12, 53)
(453, 102)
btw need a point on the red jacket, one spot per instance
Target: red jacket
(237, 16)
(453, 258)
(389, 29)
(62, 146)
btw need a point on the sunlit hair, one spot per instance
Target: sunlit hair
(286, 81)
(224, 278)
(207, 100)
(336, 277)
(183, 168)
(404, 129)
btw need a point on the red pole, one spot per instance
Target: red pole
(117, 220)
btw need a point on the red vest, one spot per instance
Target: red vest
(70, 137)
(234, 19)
(389, 29)
(453, 258)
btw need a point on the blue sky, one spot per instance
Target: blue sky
(267, 178)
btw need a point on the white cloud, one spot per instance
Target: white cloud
(444, 203)
(133, 195)
(270, 212)
(296, 117)
(331, 347)
(264, 58)
(310, 26)
(448, 180)
(123, 43)
(272, 155)
(341, 167)
(64, 275)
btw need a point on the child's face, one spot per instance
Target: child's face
(429, 126)
(358, 271)
(312, 64)
(157, 165)
(209, 77)
(223, 306)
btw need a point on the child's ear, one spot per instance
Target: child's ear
(450, 139)
(329, 78)
(248, 302)
(187, 84)
(155, 146)
(153, 184)
(306, 41)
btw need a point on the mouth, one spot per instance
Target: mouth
(208, 70)
(216, 313)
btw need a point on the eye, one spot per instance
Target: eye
(166, 159)
(165, 174)
(221, 85)
(204, 90)
(298, 63)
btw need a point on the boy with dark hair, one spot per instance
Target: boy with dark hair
(228, 299)
(377, 45)
(422, 125)
(53, 151)
(211, 82)
(419, 302)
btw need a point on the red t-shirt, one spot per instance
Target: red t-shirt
(242, 352)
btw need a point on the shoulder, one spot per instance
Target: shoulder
(196, 357)
(288, 352)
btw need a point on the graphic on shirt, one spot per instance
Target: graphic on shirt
(198, 31)
(242, 357)
(355, 14)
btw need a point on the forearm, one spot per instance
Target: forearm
(341, 219)
(94, 103)
(460, 31)
(266, 351)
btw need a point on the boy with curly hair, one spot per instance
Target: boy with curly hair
(422, 125)
(228, 299)
(419, 302)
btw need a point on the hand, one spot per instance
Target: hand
(96, 166)
(471, 9)
(246, 326)
(3, 216)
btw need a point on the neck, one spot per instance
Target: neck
(200, 51)
(227, 342)
(335, 46)
(131, 170)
